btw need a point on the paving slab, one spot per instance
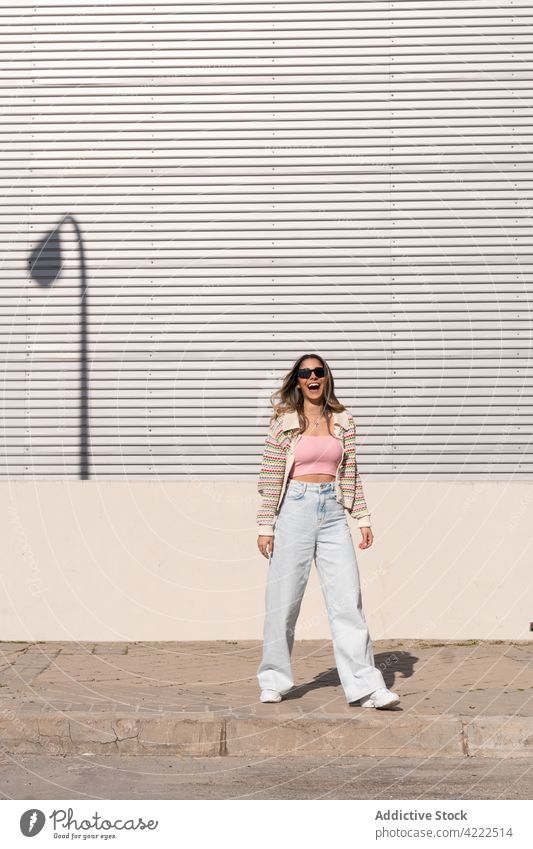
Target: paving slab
(470, 698)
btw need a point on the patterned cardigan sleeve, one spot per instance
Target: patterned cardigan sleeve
(270, 479)
(351, 475)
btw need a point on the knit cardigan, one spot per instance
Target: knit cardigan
(278, 458)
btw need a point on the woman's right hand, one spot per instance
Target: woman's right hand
(265, 545)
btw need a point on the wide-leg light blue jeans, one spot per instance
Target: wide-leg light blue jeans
(312, 524)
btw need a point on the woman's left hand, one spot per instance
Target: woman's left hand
(368, 537)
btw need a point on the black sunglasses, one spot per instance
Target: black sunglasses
(307, 372)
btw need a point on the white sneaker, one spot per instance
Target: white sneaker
(270, 696)
(381, 698)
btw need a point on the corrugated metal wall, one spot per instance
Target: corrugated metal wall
(253, 180)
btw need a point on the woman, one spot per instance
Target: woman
(308, 481)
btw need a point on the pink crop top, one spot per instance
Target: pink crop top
(316, 455)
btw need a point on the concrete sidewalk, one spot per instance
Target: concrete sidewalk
(468, 698)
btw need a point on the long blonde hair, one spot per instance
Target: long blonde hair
(289, 396)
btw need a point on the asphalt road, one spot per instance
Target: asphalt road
(150, 777)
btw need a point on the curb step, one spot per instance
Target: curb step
(390, 733)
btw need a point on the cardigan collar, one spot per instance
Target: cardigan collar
(290, 420)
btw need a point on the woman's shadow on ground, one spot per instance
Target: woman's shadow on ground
(393, 665)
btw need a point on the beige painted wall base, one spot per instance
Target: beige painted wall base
(136, 560)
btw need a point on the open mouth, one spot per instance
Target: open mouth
(313, 387)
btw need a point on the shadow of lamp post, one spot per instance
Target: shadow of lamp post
(45, 267)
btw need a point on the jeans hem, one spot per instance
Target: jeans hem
(364, 693)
